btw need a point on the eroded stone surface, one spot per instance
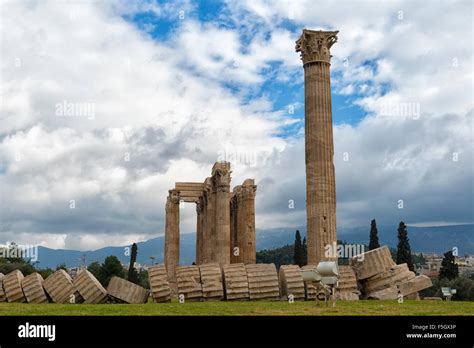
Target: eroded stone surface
(33, 290)
(211, 282)
(126, 291)
(89, 287)
(189, 283)
(372, 262)
(12, 286)
(60, 289)
(159, 285)
(291, 282)
(414, 285)
(3, 298)
(236, 284)
(314, 47)
(263, 282)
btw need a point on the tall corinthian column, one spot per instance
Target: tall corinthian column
(314, 47)
(172, 234)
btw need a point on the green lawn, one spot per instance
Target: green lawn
(246, 308)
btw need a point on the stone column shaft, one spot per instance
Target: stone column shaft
(220, 189)
(199, 231)
(172, 235)
(248, 212)
(319, 148)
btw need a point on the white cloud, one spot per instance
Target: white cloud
(166, 107)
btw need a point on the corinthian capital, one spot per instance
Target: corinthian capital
(314, 45)
(173, 197)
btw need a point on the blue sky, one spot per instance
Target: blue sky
(280, 93)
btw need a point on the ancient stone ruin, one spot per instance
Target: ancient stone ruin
(225, 227)
(380, 278)
(314, 48)
(226, 266)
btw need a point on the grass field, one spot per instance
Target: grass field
(245, 308)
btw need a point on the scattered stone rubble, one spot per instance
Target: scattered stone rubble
(372, 275)
(380, 278)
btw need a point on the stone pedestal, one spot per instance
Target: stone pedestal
(314, 47)
(32, 286)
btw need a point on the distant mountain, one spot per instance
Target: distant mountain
(426, 239)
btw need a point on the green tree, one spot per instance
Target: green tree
(463, 285)
(298, 251)
(449, 269)
(96, 269)
(132, 275)
(403, 247)
(374, 239)
(111, 267)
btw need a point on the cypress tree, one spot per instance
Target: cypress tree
(298, 252)
(305, 252)
(132, 272)
(449, 269)
(374, 239)
(403, 248)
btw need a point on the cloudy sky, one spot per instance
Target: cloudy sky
(104, 105)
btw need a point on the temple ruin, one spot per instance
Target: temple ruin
(225, 227)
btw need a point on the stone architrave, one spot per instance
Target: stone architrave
(89, 287)
(12, 286)
(126, 291)
(159, 285)
(60, 289)
(32, 286)
(3, 298)
(236, 283)
(314, 47)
